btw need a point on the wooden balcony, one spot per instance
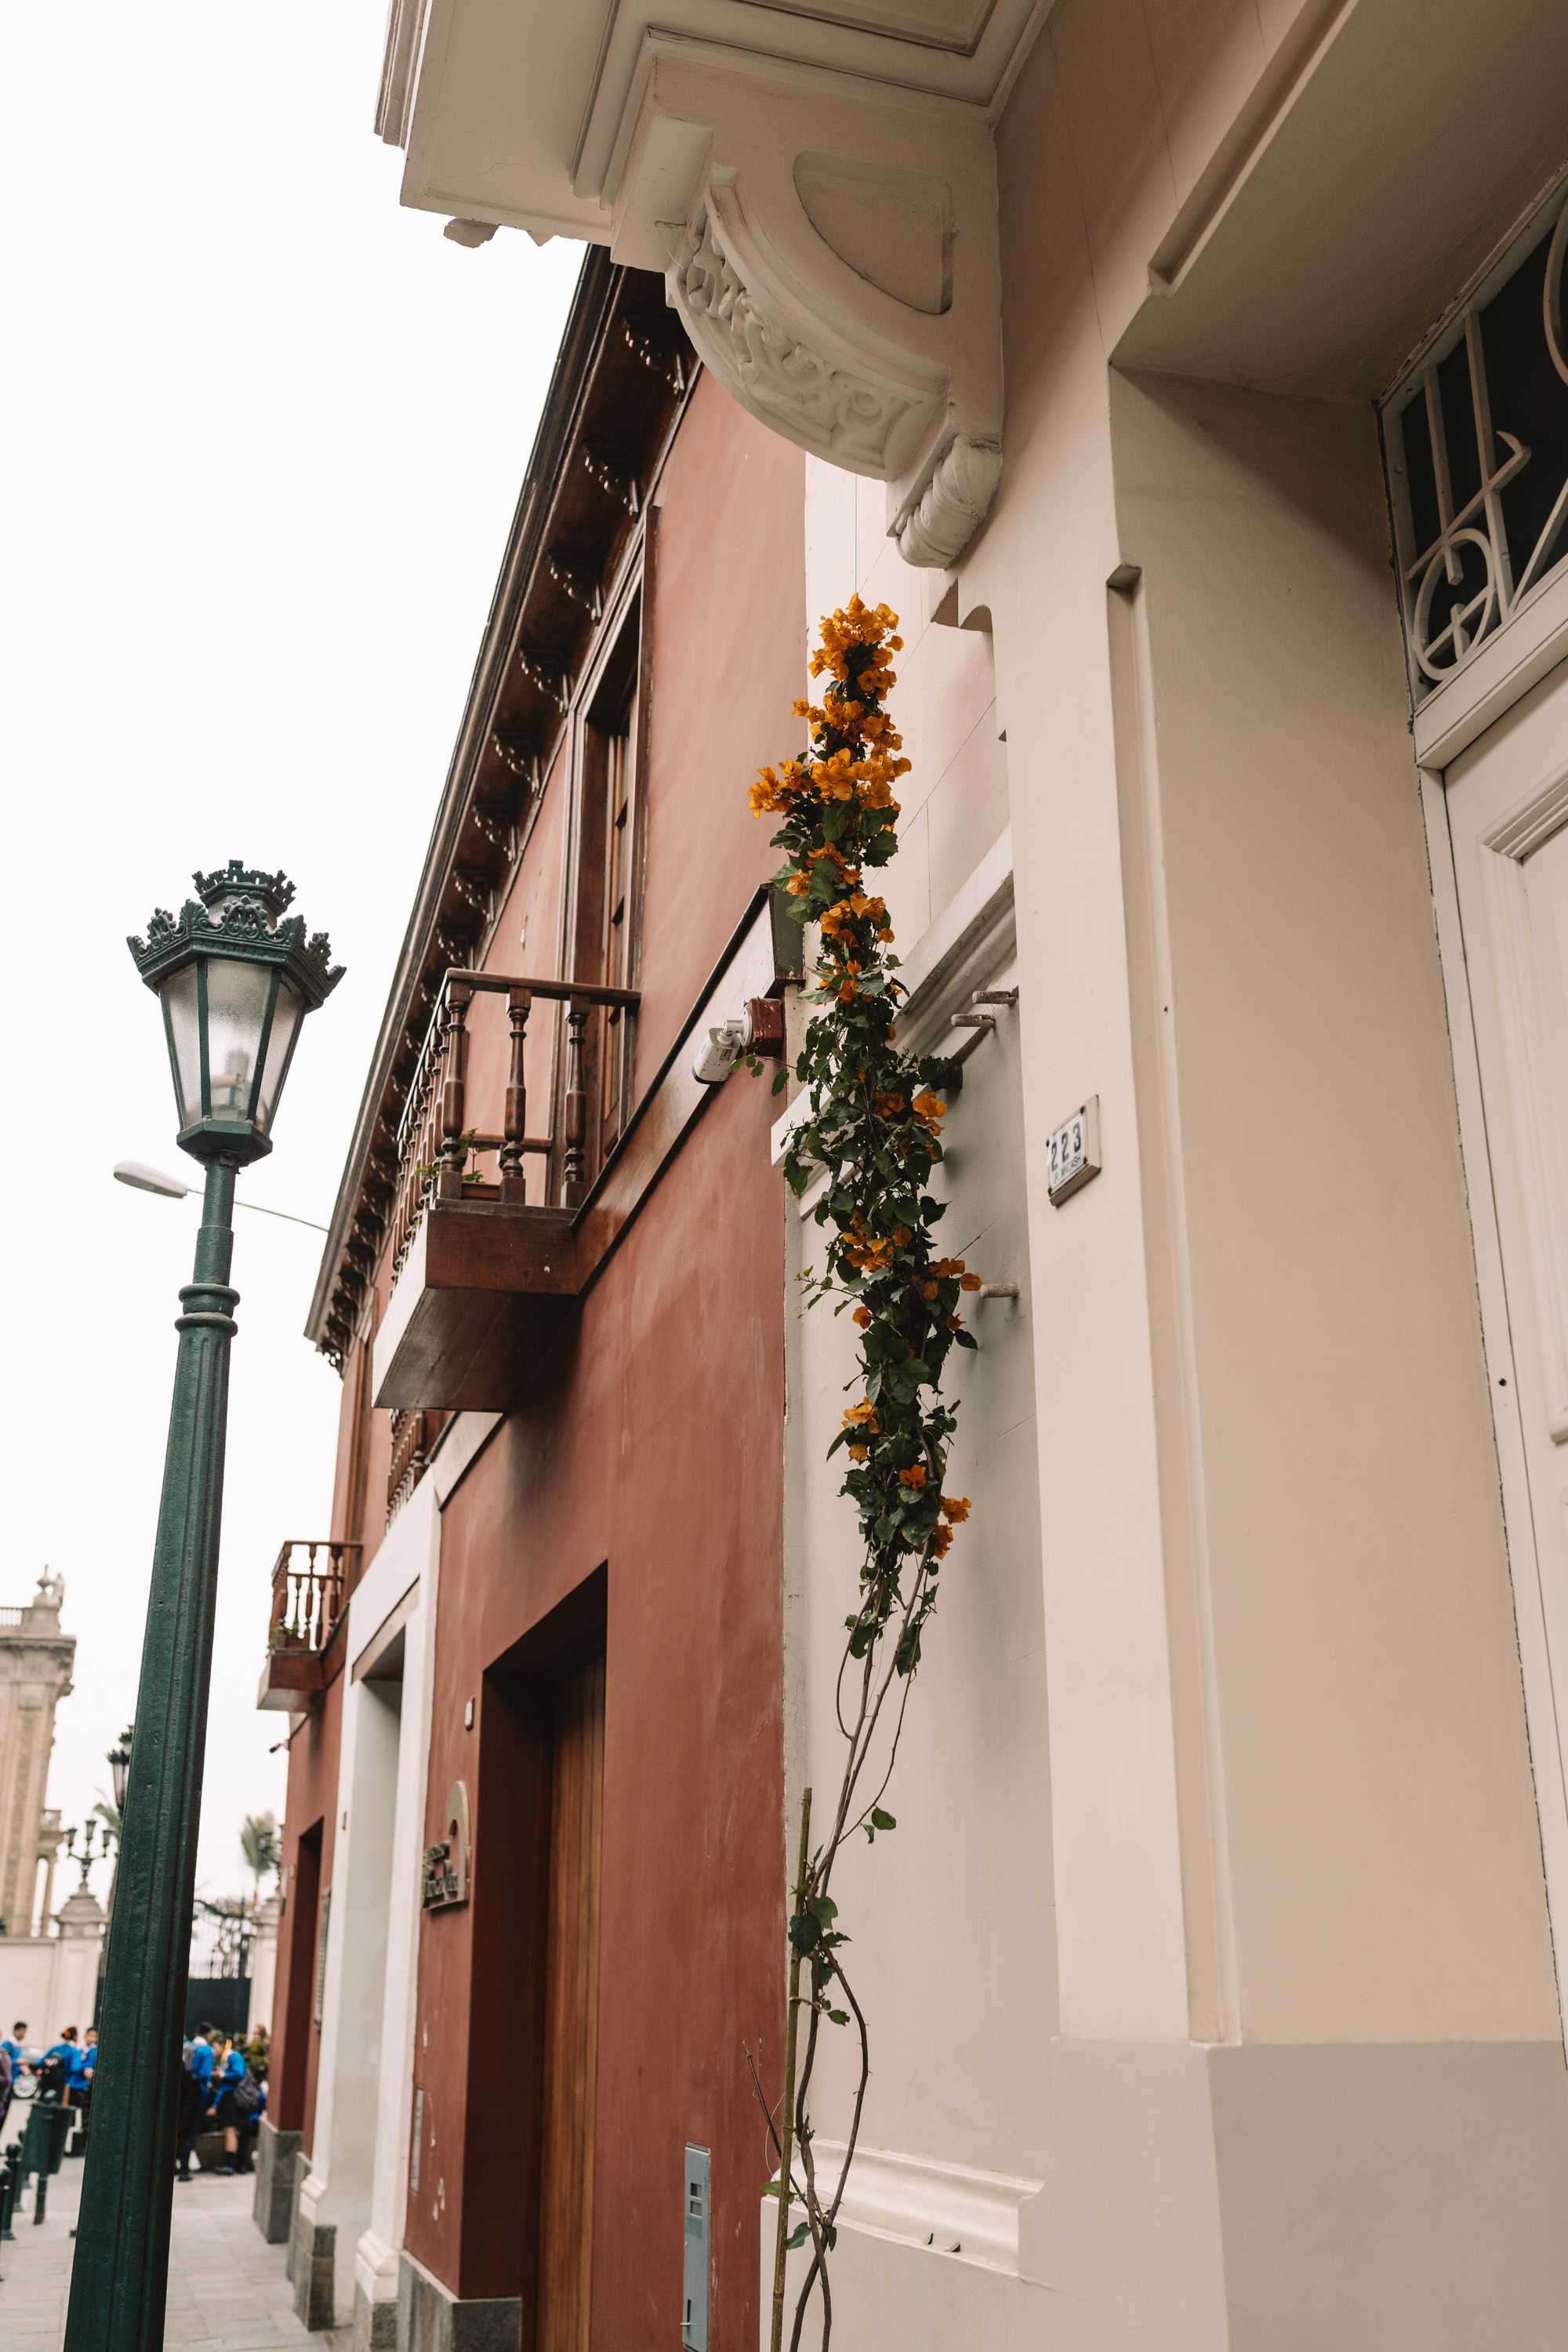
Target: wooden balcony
(487, 1284)
(483, 1279)
(311, 1584)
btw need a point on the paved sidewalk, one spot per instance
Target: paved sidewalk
(227, 2292)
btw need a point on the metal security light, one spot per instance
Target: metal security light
(234, 983)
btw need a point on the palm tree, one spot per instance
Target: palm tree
(259, 1843)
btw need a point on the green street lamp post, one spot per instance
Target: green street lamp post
(235, 981)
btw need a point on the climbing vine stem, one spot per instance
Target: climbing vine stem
(872, 1130)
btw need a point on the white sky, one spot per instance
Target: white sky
(263, 433)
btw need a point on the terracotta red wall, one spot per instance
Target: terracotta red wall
(729, 660)
(652, 1451)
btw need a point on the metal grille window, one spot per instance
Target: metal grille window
(221, 1935)
(1476, 442)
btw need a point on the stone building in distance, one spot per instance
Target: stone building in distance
(36, 1661)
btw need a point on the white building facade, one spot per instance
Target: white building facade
(1193, 382)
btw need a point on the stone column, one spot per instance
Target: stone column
(82, 1921)
(36, 1661)
(263, 1967)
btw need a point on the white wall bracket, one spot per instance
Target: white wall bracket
(830, 245)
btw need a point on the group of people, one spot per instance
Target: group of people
(222, 2083)
(63, 2071)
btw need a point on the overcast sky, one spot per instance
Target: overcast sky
(264, 431)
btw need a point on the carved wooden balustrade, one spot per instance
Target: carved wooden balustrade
(433, 1142)
(311, 1583)
(414, 1436)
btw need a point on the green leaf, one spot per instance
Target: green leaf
(883, 1820)
(797, 2236)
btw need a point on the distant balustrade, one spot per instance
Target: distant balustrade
(312, 1583)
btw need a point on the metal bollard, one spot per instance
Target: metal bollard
(10, 2186)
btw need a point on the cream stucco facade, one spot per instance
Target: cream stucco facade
(1236, 1764)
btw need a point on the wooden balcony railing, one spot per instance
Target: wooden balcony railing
(414, 1436)
(433, 1141)
(311, 1583)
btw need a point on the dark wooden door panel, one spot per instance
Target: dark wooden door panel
(572, 2012)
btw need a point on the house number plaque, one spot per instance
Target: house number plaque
(1073, 1153)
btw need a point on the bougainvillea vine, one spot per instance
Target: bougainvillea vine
(873, 1129)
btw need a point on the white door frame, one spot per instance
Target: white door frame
(1546, 1713)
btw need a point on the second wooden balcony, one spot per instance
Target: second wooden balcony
(483, 1279)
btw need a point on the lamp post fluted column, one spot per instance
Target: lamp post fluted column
(119, 2280)
(235, 981)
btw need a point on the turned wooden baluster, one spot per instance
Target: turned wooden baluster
(452, 1152)
(574, 1171)
(512, 1186)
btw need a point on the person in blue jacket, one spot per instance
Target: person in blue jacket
(202, 2063)
(226, 2082)
(54, 2069)
(13, 2044)
(81, 2072)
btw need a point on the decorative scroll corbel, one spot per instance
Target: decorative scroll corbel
(545, 667)
(835, 264)
(615, 474)
(662, 353)
(953, 504)
(518, 749)
(787, 370)
(577, 582)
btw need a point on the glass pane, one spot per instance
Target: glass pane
(179, 996)
(237, 1006)
(286, 1019)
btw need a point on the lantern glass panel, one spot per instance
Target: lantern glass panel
(179, 993)
(238, 995)
(287, 1015)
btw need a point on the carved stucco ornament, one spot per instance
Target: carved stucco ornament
(830, 247)
(745, 334)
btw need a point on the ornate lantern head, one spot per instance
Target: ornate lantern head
(236, 983)
(120, 1765)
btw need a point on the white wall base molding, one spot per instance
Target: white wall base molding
(949, 2208)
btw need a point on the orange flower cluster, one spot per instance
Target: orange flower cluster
(855, 625)
(777, 789)
(835, 921)
(915, 1477)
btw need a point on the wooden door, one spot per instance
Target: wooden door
(572, 2011)
(1506, 804)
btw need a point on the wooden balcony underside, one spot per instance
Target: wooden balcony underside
(484, 1290)
(289, 1680)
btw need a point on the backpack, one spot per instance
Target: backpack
(246, 2094)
